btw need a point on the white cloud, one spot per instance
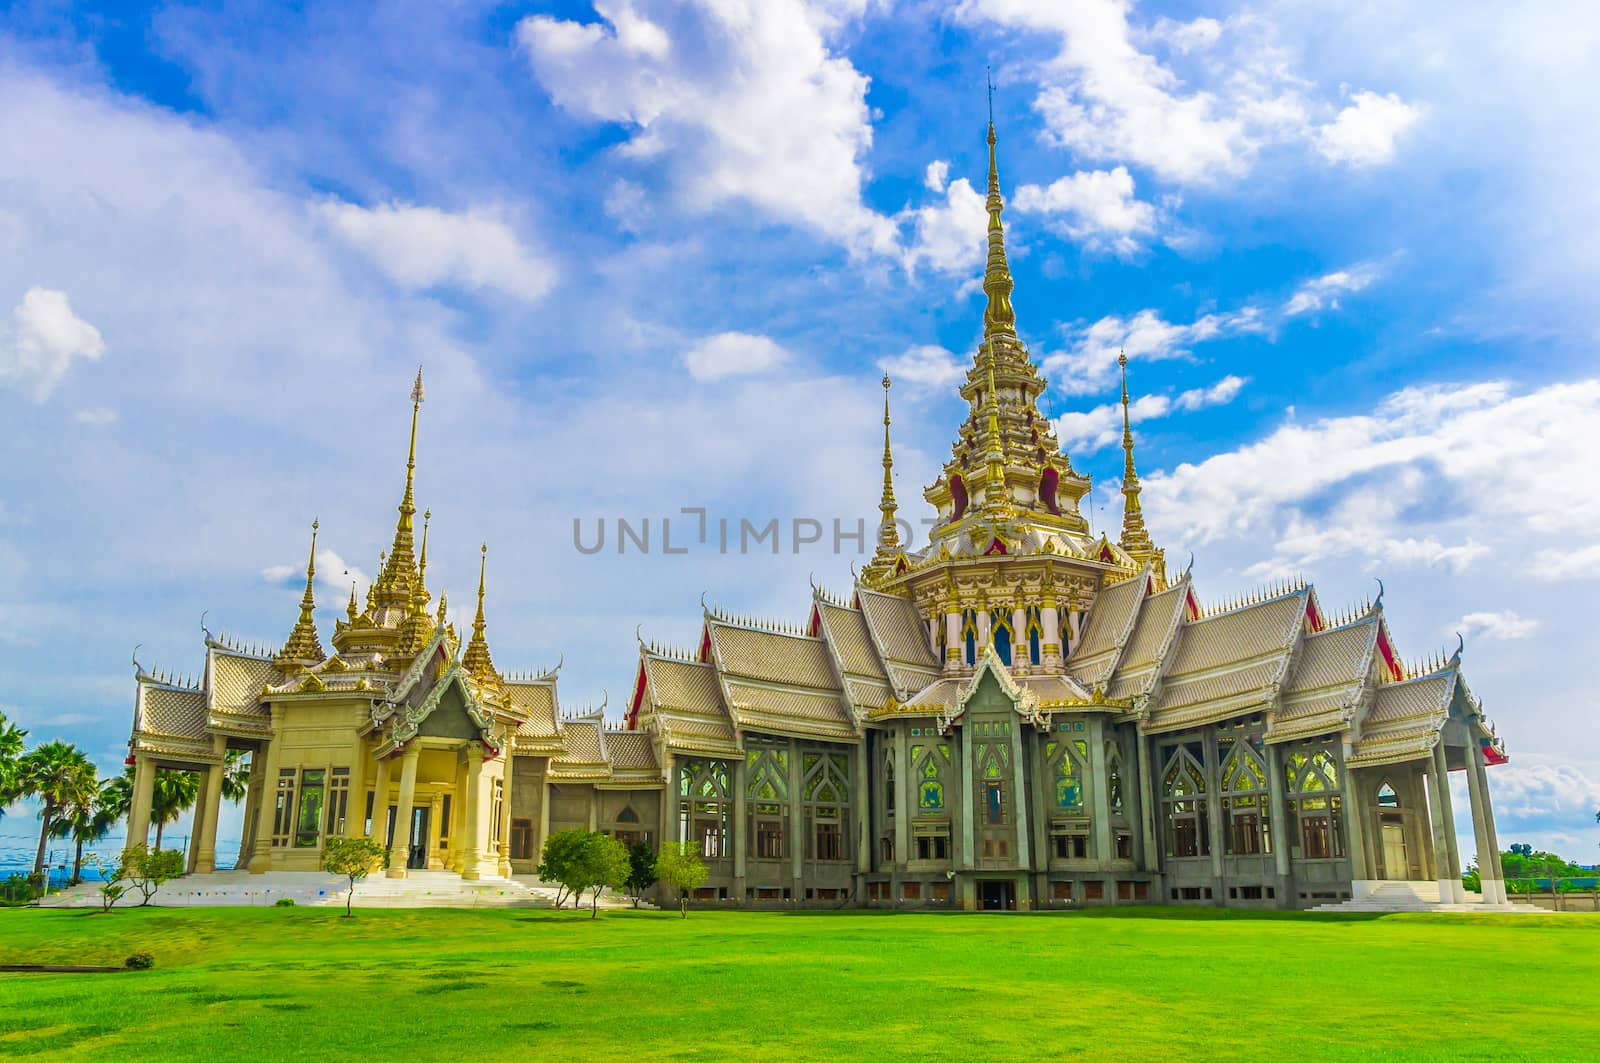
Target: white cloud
(733, 354)
(1084, 432)
(926, 367)
(1507, 624)
(96, 415)
(1365, 132)
(1395, 486)
(1555, 563)
(1324, 291)
(950, 236)
(739, 100)
(1104, 98)
(1091, 362)
(44, 339)
(424, 247)
(1096, 208)
(938, 175)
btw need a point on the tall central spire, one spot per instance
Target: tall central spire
(998, 315)
(399, 576)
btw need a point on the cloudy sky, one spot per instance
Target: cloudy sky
(655, 255)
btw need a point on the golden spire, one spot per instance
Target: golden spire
(996, 499)
(476, 659)
(1135, 539)
(444, 607)
(998, 316)
(889, 531)
(350, 610)
(394, 581)
(303, 643)
(422, 560)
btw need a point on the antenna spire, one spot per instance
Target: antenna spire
(1135, 538)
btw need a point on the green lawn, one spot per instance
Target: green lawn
(303, 983)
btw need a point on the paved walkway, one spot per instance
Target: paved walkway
(419, 889)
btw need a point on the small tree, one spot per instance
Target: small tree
(558, 862)
(355, 859)
(111, 889)
(606, 863)
(680, 867)
(149, 869)
(641, 871)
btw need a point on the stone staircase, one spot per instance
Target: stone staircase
(419, 889)
(1412, 897)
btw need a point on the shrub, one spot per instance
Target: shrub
(139, 961)
(283, 902)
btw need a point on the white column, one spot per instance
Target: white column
(400, 849)
(1050, 653)
(472, 854)
(954, 645)
(1283, 824)
(1458, 891)
(1488, 860)
(1441, 845)
(505, 815)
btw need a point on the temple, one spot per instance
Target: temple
(1022, 714)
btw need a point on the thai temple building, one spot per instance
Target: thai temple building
(1020, 715)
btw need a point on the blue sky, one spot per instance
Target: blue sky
(656, 254)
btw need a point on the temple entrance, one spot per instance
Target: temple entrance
(417, 851)
(997, 896)
(1396, 862)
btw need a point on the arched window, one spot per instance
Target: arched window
(705, 799)
(958, 492)
(1246, 811)
(1387, 798)
(969, 635)
(827, 786)
(1315, 799)
(931, 764)
(1035, 635)
(627, 815)
(1067, 765)
(1183, 799)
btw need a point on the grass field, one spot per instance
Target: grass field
(302, 983)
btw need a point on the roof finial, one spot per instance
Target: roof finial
(350, 610)
(422, 559)
(1377, 603)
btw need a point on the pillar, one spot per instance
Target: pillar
(983, 630)
(797, 822)
(1490, 873)
(355, 818)
(1494, 837)
(1100, 791)
(1283, 825)
(969, 838)
(261, 858)
(458, 816)
(400, 847)
(505, 816)
(436, 828)
(472, 851)
(1019, 640)
(902, 796)
(669, 801)
(1149, 802)
(1355, 825)
(252, 806)
(955, 647)
(380, 802)
(741, 826)
(1440, 869)
(208, 809)
(1019, 780)
(1447, 816)
(1050, 655)
(197, 822)
(861, 816)
(1214, 809)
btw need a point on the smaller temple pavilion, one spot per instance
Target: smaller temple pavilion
(401, 732)
(1019, 714)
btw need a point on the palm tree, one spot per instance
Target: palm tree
(60, 776)
(174, 794)
(87, 823)
(235, 777)
(11, 737)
